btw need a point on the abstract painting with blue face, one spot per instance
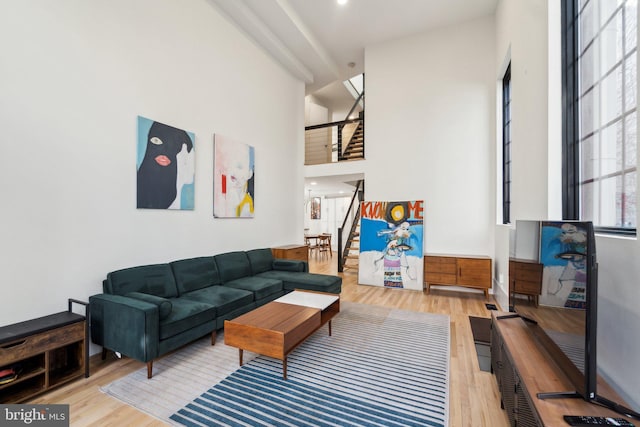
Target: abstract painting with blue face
(166, 166)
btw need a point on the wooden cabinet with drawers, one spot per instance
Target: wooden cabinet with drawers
(298, 252)
(458, 270)
(525, 278)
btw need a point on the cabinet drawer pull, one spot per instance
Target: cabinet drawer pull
(13, 344)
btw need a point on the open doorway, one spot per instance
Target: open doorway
(327, 203)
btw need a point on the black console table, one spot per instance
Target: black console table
(45, 352)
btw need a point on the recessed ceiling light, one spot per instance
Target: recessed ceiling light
(341, 2)
(313, 183)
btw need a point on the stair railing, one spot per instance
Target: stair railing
(323, 142)
(327, 142)
(349, 223)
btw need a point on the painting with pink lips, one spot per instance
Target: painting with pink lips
(234, 178)
(165, 166)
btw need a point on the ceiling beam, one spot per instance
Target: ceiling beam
(237, 12)
(311, 39)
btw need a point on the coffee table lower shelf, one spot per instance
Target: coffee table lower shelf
(277, 328)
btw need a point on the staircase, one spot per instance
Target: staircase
(355, 146)
(351, 254)
(349, 232)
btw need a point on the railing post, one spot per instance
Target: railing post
(340, 262)
(340, 127)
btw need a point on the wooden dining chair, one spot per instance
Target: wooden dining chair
(324, 243)
(312, 243)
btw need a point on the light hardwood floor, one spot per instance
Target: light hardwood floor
(474, 397)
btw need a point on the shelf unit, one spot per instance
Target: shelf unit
(45, 352)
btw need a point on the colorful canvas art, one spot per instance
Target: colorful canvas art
(315, 208)
(165, 165)
(391, 244)
(563, 250)
(234, 179)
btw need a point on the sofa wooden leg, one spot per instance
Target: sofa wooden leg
(213, 337)
(104, 353)
(149, 369)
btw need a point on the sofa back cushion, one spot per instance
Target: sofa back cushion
(261, 260)
(156, 279)
(233, 265)
(195, 273)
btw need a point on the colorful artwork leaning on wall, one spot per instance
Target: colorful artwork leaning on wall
(234, 179)
(165, 166)
(391, 244)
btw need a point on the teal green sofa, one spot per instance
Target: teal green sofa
(146, 311)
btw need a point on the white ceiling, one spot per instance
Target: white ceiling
(331, 186)
(316, 39)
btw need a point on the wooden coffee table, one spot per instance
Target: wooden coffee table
(278, 327)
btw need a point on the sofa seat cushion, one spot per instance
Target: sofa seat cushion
(225, 299)
(309, 281)
(261, 287)
(186, 314)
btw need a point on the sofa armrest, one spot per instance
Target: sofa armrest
(125, 325)
(290, 265)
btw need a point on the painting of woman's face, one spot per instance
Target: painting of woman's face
(234, 178)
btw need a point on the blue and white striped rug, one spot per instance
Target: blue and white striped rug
(381, 367)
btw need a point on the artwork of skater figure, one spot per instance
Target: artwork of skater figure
(393, 256)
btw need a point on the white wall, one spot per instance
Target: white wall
(430, 108)
(73, 77)
(522, 39)
(619, 315)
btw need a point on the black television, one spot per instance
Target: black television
(563, 318)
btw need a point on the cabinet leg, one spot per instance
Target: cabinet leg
(486, 293)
